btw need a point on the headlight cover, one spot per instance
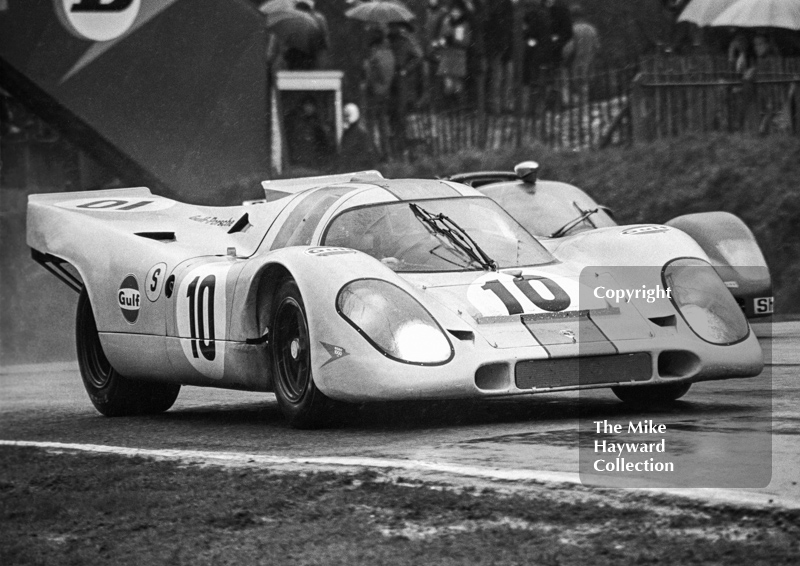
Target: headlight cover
(704, 302)
(393, 322)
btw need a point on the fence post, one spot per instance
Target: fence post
(641, 123)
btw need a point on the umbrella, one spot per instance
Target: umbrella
(761, 14)
(703, 12)
(277, 6)
(381, 12)
(296, 29)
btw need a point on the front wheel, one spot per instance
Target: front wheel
(111, 393)
(303, 405)
(652, 394)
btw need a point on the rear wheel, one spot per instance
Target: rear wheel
(652, 394)
(111, 393)
(303, 405)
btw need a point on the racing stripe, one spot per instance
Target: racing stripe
(556, 331)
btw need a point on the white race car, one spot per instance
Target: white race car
(358, 288)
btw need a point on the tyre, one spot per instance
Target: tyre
(111, 393)
(652, 394)
(303, 405)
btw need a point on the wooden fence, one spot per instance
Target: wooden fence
(676, 95)
(564, 111)
(656, 98)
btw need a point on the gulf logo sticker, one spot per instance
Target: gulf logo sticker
(129, 299)
(503, 294)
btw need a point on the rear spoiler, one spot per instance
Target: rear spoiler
(45, 198)
(273, 190)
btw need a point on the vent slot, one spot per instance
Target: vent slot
(466, 335)
(158, 236)
(241, 224)
(664, 321)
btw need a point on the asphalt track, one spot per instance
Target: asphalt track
(532, 438)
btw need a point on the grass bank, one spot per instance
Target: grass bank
(99, 509)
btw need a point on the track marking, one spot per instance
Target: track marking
(422, 467)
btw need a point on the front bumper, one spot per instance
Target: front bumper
(479, 370)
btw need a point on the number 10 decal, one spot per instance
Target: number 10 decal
(559, 302)
(501, 294)
(201, 316)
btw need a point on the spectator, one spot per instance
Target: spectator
(538, 52)
(456, 35)
(764, 47)
(560, 27)
(740, 53)
(357, 149)
(308, 141)
(498, 38)
(408, 64)
(313, 54)
(408, 60)
(379, 74)
(431, 35)
(561, 34)
(580, 52)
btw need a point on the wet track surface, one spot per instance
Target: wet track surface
(48, 403)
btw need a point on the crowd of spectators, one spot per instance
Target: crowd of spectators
(437, 59)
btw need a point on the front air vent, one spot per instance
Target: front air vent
(158, 236)
(493, 377)
(465, 335)
(677, 363)
(664, 321)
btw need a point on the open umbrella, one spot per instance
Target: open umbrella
(277, 6)
(298, 30)
(761, 14)
(703, 12)
(380, 12)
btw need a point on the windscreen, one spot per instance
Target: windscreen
(393, 234)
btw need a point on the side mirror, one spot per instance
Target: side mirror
(527, 171)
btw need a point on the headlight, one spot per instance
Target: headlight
(394, 322)
(704, 302)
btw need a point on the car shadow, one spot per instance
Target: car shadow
(422, 415)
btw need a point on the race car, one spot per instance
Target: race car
(354, 288)
(550, 209)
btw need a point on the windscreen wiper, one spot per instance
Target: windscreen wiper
(444, 225)
(574, 222)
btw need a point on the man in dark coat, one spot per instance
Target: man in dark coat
(357, 149)
(308, 141)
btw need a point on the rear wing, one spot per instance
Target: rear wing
(49, 198)
(273, 190)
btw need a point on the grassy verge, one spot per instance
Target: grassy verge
(93, 509)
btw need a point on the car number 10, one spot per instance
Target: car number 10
(201, 317)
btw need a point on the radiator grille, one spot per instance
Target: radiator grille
(586, 370)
